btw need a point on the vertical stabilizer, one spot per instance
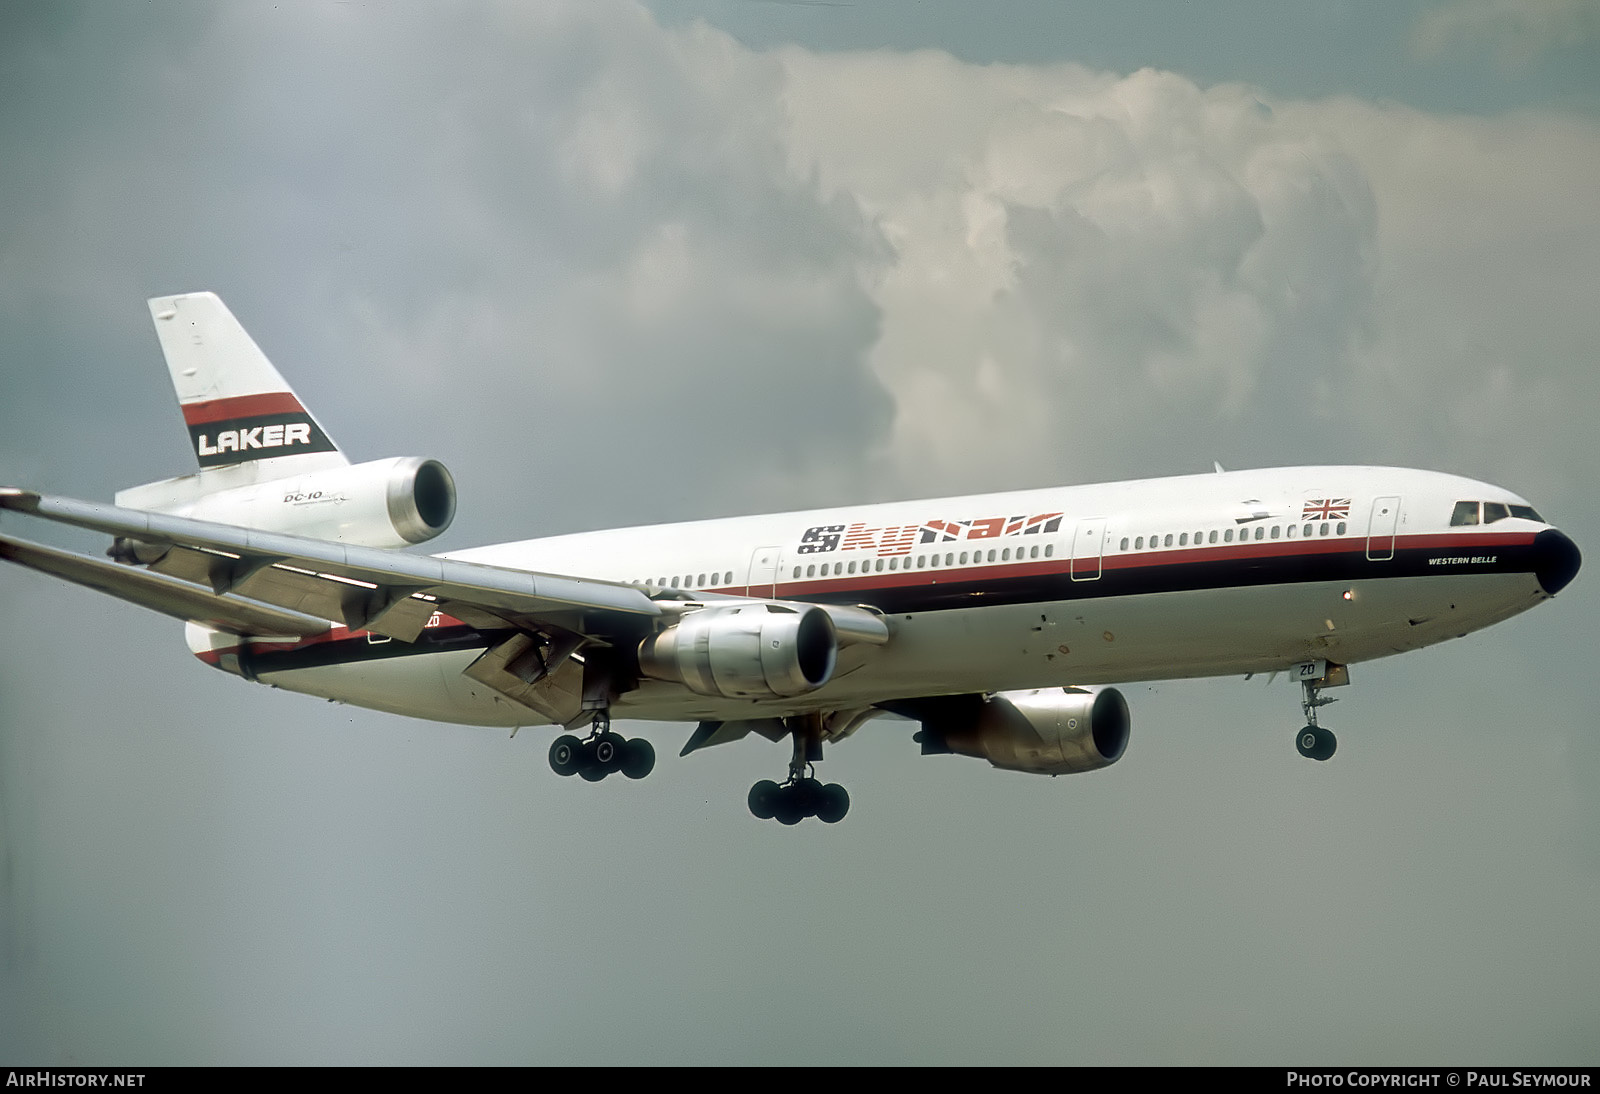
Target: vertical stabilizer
(238, 409)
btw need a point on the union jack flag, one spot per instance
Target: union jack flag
(1327, 509)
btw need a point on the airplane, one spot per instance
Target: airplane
(999, 622)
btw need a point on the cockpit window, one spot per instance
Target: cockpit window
(1493, 511)
(1466, 513)
(1526, 513)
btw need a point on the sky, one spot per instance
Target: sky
(616, 263)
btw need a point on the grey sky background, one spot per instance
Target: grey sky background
(617, 264)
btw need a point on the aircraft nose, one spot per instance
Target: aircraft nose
(1555, 560)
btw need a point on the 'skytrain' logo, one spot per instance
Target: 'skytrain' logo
(900, 539)
(252, 427)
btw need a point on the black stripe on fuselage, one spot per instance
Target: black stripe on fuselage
(359, 647)
(908, 592)
(1034, 582)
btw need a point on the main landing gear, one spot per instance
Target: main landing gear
(801, 795)
(601, 753)
(1313, 741)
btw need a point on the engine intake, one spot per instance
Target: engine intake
(745, 651)
(1050, 731)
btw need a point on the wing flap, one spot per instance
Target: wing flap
(161, 593)
(336, 581)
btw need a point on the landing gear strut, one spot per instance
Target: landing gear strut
(801, 795)
(1313, 741)
(601, 753)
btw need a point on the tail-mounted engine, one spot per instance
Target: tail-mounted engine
(385, 503)
(760, 650)
(1050, 731)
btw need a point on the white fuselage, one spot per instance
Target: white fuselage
(1203, 575)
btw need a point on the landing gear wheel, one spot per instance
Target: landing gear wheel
(607, 752)
(806, 794)
(566, 755)
(1316, 743)
(638, 758)
(789, 808)
(763, 799)
(592, 773)
(832, 804)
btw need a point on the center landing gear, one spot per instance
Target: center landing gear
(1313, 741)
(601, 753)
(801, 795)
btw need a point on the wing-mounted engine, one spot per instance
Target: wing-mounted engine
(1051, 731)
(750, 650)
(384, 503)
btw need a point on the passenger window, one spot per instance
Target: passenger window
(963, 558)
(1212, 538)
(1168, 541)
(729, 578)
(1227, 535)
(1005, 556)
(950, 559)
(852, 567)
(1292, 529)
(1183, 540)
(1049, 549)
(1261, 533)
(1493, 511)
(797, 572)
(1275, 531)
(1466, 512)
(1034, 553)
(701, 583)
(1138, 544)
(991, 555)
(1341, 528)
(1124, 543)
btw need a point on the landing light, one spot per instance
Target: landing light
(1349, 594)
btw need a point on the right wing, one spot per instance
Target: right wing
(366, 588)
(157, 592)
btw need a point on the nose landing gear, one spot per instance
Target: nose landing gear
(602, 753)
(1313, 741)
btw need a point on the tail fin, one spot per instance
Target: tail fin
(246, 425)
(238, 409)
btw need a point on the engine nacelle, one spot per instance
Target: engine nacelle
(1052, 731)
(745, 651)
(385, 503)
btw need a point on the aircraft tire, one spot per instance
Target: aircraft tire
(566, 755)
(789, 808)
(1316, 743)
(592, 773)
(638, 758)
(832, 804)
(763, 799)
(607, 752)
(1327, 746)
